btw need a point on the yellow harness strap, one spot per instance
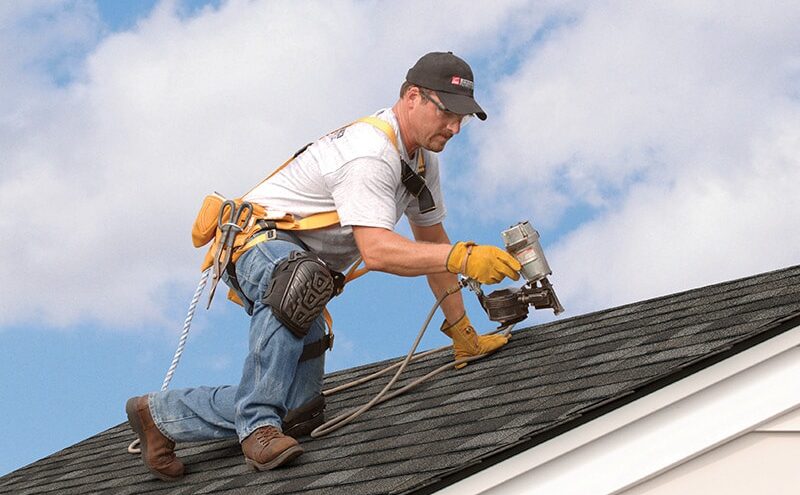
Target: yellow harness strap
(389, 131)
(381, 125)
(327, 218)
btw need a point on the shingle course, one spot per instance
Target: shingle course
(549, 376)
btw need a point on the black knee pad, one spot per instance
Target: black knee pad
(300, 288)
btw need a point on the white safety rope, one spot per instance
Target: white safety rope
(133, 448)
(187, 323)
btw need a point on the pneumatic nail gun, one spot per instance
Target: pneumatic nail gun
(509, 306)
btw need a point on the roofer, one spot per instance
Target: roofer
(360, 172)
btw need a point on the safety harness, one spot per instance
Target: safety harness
(232, 233)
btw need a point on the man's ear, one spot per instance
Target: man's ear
(414, 96)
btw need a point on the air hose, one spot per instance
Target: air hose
(383, 395)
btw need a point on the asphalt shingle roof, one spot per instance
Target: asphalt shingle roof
(549, 379)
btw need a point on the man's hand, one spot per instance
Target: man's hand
(467, 343)
(486, 264)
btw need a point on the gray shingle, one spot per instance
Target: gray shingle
(545, 380)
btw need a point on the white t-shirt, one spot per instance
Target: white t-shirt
(356, 171)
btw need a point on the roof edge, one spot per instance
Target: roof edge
(513, 466)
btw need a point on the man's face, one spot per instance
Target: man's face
(434, 125)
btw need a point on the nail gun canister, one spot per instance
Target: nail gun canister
(522, 242)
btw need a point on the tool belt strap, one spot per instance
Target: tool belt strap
(318, 348)
(269, 233)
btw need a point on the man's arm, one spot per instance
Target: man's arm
(386, 251)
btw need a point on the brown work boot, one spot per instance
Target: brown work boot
(302, 420)
(158, 451)
(267, 448)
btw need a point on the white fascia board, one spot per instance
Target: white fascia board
(789, 422)
(654, 433)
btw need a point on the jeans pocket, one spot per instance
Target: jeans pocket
(250, 269)
(255, 267)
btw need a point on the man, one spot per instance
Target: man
(361, 174)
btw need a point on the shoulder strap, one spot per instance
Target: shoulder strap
(382, 126)
(413, 180)
(387, 129)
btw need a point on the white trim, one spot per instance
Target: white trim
(658, 431)
(789, 422)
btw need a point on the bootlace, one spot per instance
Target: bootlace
(266, 435)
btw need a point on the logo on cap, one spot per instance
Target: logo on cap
(460, 81)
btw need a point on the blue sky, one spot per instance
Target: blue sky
(655, 148)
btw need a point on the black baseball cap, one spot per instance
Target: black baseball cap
(452, 80)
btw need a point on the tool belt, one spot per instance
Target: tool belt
(219, 222)
(243, 234)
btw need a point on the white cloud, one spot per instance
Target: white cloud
(699, 230)
(102, 174)
(676, 125)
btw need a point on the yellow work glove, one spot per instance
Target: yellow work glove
(486, 264)
(467, 343)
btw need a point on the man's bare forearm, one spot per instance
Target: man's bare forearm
(387, 251)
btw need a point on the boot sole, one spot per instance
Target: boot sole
(138, 428)
(304, 428)
(303, 420)
(284, 457)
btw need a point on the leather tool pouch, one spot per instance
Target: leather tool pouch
(205, 224)
(300, 288)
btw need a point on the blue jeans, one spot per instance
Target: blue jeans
(272, 379)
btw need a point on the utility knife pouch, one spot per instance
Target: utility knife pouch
(300, 288)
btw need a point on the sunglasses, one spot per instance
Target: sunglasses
(441, 110)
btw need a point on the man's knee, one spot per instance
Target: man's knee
(300, 287)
